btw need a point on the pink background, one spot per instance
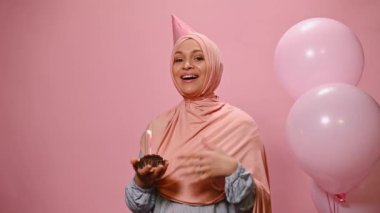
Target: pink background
(79, 80)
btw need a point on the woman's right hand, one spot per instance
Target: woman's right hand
(146, 177)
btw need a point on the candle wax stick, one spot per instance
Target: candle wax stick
(149, 133)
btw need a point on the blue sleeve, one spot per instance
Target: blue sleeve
(139, 200)
(240, 189)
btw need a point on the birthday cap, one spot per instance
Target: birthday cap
(180, 28)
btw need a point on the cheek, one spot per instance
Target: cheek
(202, 67)
(203, 71)
(175, 70)
(176, 76)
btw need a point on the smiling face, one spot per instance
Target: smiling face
(189, 68)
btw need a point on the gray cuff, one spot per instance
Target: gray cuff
(139, 199)
(240, 188)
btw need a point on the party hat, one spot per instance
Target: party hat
(180, 28)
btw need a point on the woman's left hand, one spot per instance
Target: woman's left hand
(208, 163)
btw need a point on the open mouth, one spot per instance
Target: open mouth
(189, 77)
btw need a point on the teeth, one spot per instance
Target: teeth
(189, 76)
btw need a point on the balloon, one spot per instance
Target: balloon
(333, 130)
(365, 198)
(318, 51)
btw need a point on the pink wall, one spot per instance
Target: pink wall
(79, 80)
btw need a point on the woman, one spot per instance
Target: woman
(214, 159)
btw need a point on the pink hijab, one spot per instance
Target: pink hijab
(182, 129)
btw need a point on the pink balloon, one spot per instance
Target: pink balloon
(318, 51)
(365, 198)
(333, 130)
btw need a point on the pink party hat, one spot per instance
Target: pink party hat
(180, 28)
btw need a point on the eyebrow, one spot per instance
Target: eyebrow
(194, 51)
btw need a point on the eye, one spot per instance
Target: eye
(177, 60)
(199, 58)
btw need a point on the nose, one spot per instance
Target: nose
(187, 65)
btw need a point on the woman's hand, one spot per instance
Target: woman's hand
(209, 163)
(146, 177)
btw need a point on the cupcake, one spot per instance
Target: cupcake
(153, 160)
